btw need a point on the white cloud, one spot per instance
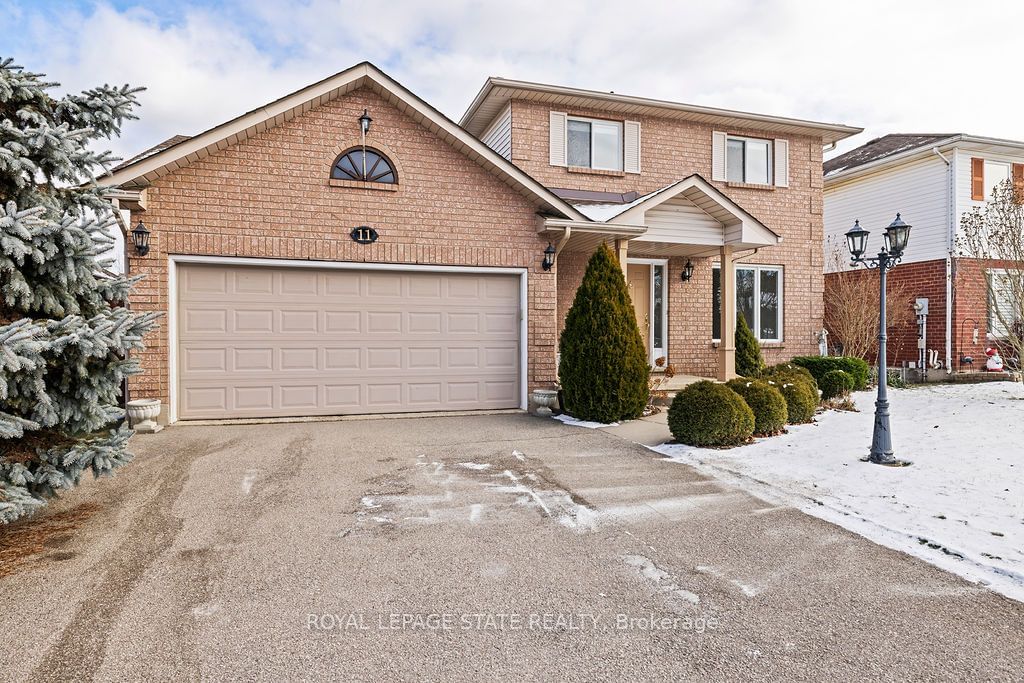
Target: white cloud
(938, 66)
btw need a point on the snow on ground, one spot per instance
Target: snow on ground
(960, 506)
(573, 422)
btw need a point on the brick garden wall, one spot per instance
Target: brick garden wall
(269, 196)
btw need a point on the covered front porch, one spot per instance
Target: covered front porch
(669, 243)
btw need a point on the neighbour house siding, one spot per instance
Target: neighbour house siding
(672, 150)
(498, 135)
(269, 196)
(964, 203)
(918, 190)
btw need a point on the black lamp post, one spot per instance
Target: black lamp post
(895, 243)
(140, 237)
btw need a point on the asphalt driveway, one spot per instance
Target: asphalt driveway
(464, 548)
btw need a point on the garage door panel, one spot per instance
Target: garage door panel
(264, 342)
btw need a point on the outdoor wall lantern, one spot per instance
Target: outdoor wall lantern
(140, 237)
(364, 122)
(895, 243)
(549, 257)
(688, 270)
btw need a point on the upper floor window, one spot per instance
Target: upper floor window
(995, 172)
(593, 143)
(748, 160)
(370, 166)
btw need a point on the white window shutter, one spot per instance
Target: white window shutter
(781, 159)
(557, 144)
(718, 145)
(631, 145)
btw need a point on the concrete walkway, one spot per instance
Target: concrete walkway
(465, 548)
(649, 431)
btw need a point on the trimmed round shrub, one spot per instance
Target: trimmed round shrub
(819, 365)
(836, 383)
(766, 401)
(603, 368)
(710, 414)
(801, 397)
(790, 370)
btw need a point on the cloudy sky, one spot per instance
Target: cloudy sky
(888, 66)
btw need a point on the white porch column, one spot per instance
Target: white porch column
(727, 345)
(622, 250)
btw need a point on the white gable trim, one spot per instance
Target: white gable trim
(148, 169)
(740, 226)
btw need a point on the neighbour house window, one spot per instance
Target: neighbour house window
(592, 143)
(748, 160)
(373, 167)
(995, 172)
(1003, 307)
(758, 298)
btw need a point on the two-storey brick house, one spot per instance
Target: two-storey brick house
(933, 179)
(348, 249)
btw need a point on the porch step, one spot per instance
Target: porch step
(668, 389)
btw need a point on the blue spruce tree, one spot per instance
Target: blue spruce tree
(65, 330)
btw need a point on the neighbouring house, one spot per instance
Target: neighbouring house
(347, 249)
(933, 180)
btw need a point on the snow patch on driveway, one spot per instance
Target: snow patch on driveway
(662, 579)
(573, 422)
(959, 507)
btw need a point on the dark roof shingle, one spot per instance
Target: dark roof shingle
(880, 148)
(155, 149)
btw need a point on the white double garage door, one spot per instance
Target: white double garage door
(282, 341)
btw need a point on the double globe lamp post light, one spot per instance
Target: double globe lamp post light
(895, 243)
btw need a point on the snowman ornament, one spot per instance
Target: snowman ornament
(994, 362)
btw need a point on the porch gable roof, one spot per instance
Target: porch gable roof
(740, 228)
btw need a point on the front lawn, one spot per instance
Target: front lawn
(960, 506)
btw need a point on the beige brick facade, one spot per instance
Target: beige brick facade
(269, 196)
(670, 151)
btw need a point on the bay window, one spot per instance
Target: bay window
(758, 299)
(592, 143)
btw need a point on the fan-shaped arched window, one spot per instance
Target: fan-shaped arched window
(371, 166)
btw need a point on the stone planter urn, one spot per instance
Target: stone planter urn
(544, 400)
(142, 414)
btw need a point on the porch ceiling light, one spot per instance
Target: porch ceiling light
(140, 238)
(857, 240)
(549, 257)
(688, 270)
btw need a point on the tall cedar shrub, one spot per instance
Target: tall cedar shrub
(64, 331)
(749, 361)
(706, 413)
(603, 368)
(767, 402)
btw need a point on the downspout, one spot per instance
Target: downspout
(949, 258)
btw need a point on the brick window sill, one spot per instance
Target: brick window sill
(359, 184)
(764, 345)
(751, 186)
(595, 171)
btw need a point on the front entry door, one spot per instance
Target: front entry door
(638, 277)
